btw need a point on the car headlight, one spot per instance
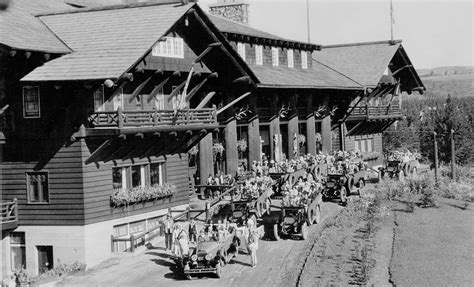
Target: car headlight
(194, 257)
(208, 258)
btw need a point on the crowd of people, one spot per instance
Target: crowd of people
(219, 180)
(403, 156)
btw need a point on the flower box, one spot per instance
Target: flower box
(142, 194)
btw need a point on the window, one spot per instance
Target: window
(138, 175)
(241, 50)
(291, 63)
(17, 250)
(170, 47)
(364, 145)
(275, 55)
(99, 99)
(370, 145)
(31, 102)
(37, 187)
(259, 54)
(304, 59)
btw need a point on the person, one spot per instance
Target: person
(176, 232)
(192, 230)
(252, 243)
(168, 229)
(210, 181)
(182, 241)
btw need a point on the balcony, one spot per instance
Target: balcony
(9, 214)
(375, 113)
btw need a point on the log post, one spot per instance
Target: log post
(326, 139)
(453, 156)
(292, 130)
(132, 243)
(310, 126)
(274, 127)
(120, 117)
(254, 140)
(206, 158)
(231, 153)
(435, 157)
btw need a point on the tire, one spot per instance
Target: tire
(304, 231)
(310, 216)
(343, 195)
(317, 217)
(219, 269)
(276, 235)
(401, 175)
(269, 203)
(361, 185)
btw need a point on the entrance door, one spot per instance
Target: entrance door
(45, 258)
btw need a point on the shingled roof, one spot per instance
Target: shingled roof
(228, 26)
(317, 77)
(106, 41)
(20, 30)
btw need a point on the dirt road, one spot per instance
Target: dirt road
(154, 267)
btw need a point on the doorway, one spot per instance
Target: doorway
(45, 258)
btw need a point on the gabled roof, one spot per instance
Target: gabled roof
(228, 26)
(105, 41)
(20, 30)
(317, 77)
(362, 62)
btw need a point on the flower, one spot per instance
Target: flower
(122, 197)
(242, 145)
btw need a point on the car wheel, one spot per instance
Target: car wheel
(401, 175)
(317, 219)
(269, 203)
(276, 235)
(304, 231)
(343, 195)
(361, 184)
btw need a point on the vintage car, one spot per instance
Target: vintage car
(294, 219)
(399, 169)
(341, 183)
(210, 255)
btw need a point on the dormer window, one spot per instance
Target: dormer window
(291, 63)
(275, 57)
(31, 102)
(259, 54)
(241, 50)
(171, 47)
(304, 59)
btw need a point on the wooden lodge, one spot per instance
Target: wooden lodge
(104, 101)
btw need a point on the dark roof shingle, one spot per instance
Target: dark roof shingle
(317, 77)
(21, 30)
(365, 63)
(106, 42)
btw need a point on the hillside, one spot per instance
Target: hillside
(455, 81)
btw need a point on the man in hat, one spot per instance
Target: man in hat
(168, 228)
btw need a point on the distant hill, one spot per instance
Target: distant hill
(457, 81)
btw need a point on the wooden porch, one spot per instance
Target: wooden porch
(9, 214)
(367, 112)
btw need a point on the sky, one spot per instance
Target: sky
(434, 33)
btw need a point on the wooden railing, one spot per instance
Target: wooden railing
(121, 119)
(375, 111)
(9, 214)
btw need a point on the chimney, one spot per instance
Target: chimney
(235, 10)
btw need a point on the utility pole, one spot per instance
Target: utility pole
(392, 20)
(307, 20)
(453, 157)
(435, 157)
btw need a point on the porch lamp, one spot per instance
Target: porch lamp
(108, 83)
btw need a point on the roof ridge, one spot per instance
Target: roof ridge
(113, 7)
(342, 74)
(390, 42)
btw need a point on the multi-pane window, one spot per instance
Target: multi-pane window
(304, 59)
(291, 63)
(37, 187)
(364, 145)
(170, 47)
(259, 54)
(99, 99)
(138, 175)
(241, 50)
(17, 250)
(275, 57)
(31, 102)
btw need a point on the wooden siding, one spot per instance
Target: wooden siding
(98, 187)
(66, 203)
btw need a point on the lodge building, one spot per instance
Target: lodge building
(99, 100)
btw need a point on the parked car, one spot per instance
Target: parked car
(210, 255)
